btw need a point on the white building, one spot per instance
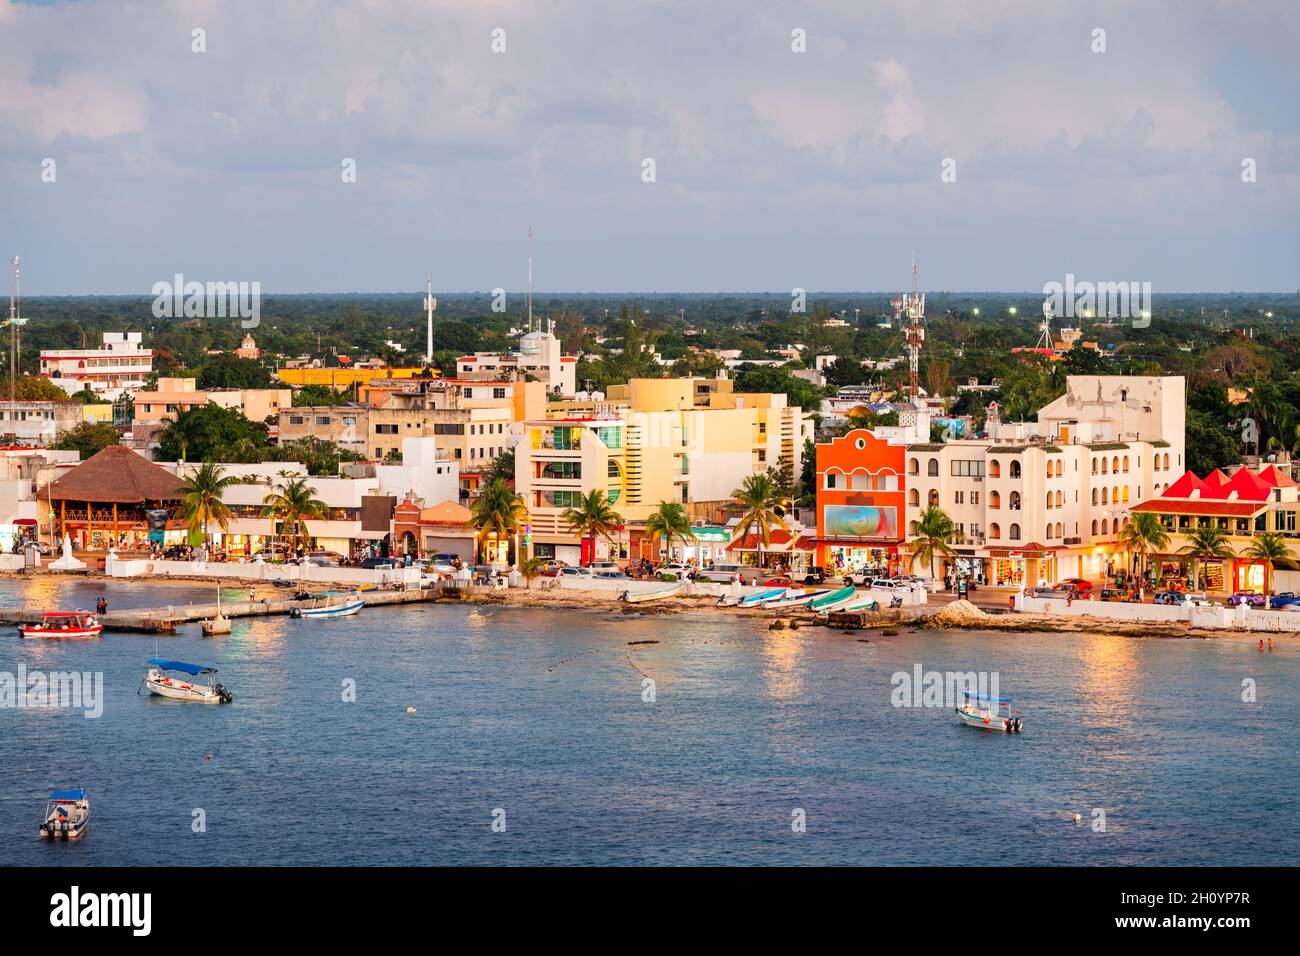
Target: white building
(37, 422)
(119, 366)
(539, 355)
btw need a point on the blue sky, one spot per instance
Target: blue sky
(773, 169)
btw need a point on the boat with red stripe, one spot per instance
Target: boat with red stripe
(64, 624)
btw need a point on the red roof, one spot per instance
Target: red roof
(1274, 477)
(1247, 485)
(1215, 478)
(1215, 507)
(778, 540)
(1184, 486)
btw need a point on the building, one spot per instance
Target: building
(343, 378)
(861, 503)
(1242, 505)
(685, 440)
(443, 529)
(35, 423)
(114, 499)
(172, 396)
(248, 348)
(22, 472)
(539, 358)
(121, 365)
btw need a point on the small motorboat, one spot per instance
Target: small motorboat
(740, 599)
(835, 600)
(796, 598)
(159, 680)
(63, 624)
(67, 815)
(989, 713)
(668, 590)
(865, 602)
(346, 609)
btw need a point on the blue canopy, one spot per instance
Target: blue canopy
(68, 795)
(192, 669)
(993, 700)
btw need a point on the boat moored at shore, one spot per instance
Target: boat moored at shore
(668, 590)
(63, 624)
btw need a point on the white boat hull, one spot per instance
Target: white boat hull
(339, 610)
(667, 590)
(36, 630)
(797, 600)
(175, 688)
(68, 826)
(984, 720)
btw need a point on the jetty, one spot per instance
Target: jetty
(165, 620)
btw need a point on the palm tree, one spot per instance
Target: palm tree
(1206, 542)
(669, 521)
(1144, 535)
(292, 501)
(592, 518)
(201, 499)
(498, 511)
(531, 568)
(1269, 547)
(761, 500)
(934, 529)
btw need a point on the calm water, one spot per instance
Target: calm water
(541, 714)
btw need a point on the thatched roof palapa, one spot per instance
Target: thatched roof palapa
(117, 474)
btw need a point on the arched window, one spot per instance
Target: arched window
(1060, 529)
(995, 500)
(913, 497)
(915, 526)
(1105, 496)
(995, 531)
(1105, 526)
(1049, 499)
(1114, 465)
(934, 498)
(1114, 495)
(932, 468)
(1166, 461)
(913, 466)
(1094, 496)
(1157, 462)
(1059, 499)
(1105, 466)
(1094, 466)
(995, 469)
(1014, 532)
(1126, 494)
(1060, 467)
(1049, 469)
(1015, 469)
(1014, 501)
(1126, 463)
(1094, 527)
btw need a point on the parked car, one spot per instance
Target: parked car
(675, 571)
(605, 566)
(725, 573)
(859, 578)
(1284, 600)
(1245, 597)
(1183, 599)
(776, 581)
(815, 575)
(384, 563)
(611, 573)
(584, 573)
(1114, 594)
(324, 559)
(1057, 593)
(1082, 585)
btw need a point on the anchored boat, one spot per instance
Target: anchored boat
(63, 624)
(668, 590)
(796, 598)
(989, 713)
(67, 815)
(835, 600)
(346, 609)
(160, 681)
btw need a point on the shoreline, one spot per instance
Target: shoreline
(948, 616)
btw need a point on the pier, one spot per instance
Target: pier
(165, 620)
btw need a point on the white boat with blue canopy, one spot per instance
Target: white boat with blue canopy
(345, 609)
(67, 815)
(989, 713)
(173, 679)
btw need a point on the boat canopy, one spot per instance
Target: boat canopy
(194, 669)
(77, 794)
(992, 700)
(48, 614)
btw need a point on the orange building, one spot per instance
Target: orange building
(861, 503)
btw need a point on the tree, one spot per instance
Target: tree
(33, 388)
(762, 509)
(498, 511)
(503, 466)
(212, 433)
(231, 371)
(669, 521)
(1210, 444)
(87, 438)
(1206, 542)
(531, 568)
(314, 395)
(592, 518)
(769, 378)
(1269, 547)
(937, 378)
(291, 501)
(321, 457)
(1143, 535)
(201, 501)
(934, 531)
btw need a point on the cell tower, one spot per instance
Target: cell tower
(911, 306)
(430, 304)
(1045, 326)
(530, 278)
(15, 323)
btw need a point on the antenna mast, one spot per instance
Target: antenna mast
(1045, 326)
(913, 306)
(530, 278)
(430, 303)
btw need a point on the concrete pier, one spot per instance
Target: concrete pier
(164, 620)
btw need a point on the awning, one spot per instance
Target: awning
(28, 522)
(778, 541)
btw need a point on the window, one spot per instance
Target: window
(382, 429)
(1059, 500)
(322, 419)
(830, 479)
(914, 498)
(1049, 499)
(1094, 466)
(1094, 527)
(1126, 462)
(1166, 461)
(932, 468)
(498, 393)
(1014, 501)
(1059, 467)
(913, 467)
(974, 497)
(1015, 469)
(934, 498)
(293, 419)
(1105, 526)
(1105, 496)
(995, 500)
(968, 469)
(1014, 532)
(995, 531)
(995, 469)
(1094, 499)
(1114, 465)
(958, 497)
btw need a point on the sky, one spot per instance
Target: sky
(773, 169)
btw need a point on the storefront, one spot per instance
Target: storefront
(1021, 568)
(784, 551)
(879, 558)
(1249, 577)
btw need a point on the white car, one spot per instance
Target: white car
(676, 569)
(584, 573)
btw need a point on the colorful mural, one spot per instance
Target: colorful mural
(861, 521)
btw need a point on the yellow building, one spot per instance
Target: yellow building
(341, 378)
(686, 440)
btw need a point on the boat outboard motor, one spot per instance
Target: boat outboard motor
(295, 612)
(225, 695)
(1017, 723)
